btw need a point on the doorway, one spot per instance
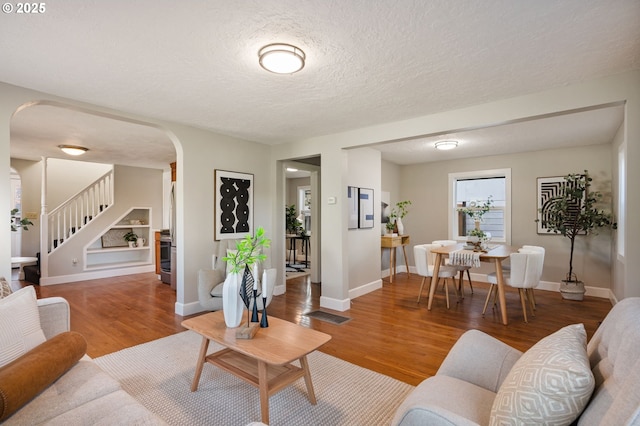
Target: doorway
(301, 194)
(16, 204)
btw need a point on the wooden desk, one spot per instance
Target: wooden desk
(495, 255)
(392, 243)
(264, 361)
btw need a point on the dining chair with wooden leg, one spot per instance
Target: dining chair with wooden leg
(524, 275)
(459, 268)
(424, 266)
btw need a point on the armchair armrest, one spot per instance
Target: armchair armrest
(479, 359)
(55, 316)
(207, 280)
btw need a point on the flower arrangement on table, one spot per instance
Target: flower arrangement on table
(247, 256)
(476, 212)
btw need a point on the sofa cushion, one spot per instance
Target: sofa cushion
(85, 382)
(5, 288)
(444, 400)
(20, 329)
(217, 290)
(550, 384)
(30, 374)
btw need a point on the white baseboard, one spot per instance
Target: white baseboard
(335, 304)
(105, 273)
(184, 309)
(364, 289)
(604, 293)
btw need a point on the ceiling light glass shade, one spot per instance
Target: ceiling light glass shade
(281, 58)
(73, 149)
(291, 169)
(445, 145)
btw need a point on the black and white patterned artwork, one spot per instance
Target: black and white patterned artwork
(549, 189)
(233, 205)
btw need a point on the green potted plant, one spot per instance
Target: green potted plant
(397, 214)
(575, 212)
(131, 238)
(248, 253)
(17, 222)
(476, 212)
(293, 226)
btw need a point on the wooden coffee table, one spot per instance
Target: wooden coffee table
(264, 361)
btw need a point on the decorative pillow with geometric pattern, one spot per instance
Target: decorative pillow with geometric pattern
(550, 384)
(5, 288)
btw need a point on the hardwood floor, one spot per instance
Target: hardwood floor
(388, 331)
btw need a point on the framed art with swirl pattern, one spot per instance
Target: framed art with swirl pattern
(233, 208)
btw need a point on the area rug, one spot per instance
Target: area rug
(293, 273)
(328, 317)
(158, 374)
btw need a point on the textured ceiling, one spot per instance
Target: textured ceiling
(368, 62)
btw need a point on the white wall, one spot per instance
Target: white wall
(363, 246)
(65, 178)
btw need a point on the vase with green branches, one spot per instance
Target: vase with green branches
(241, 282)
(397, 214)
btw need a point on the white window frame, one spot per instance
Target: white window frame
(479, 174)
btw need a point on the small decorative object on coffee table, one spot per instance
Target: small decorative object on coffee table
(248, 254)
(264, 323)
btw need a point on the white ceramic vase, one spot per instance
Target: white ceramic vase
(400, 226)
(232, 304)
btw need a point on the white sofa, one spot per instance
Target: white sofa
(84, 395)
(474, 381)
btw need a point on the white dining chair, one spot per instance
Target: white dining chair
(424, 259)
(525, 273)
(459, 268)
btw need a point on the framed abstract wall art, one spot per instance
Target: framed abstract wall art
(233, 208)
(549, 189)
(365, 197)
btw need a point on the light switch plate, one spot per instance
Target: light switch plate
(31, 215)
(332, 200)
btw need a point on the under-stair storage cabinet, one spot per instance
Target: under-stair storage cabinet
(110, 250)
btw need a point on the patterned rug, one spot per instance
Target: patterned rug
(158, 374)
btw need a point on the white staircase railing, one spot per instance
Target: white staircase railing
(68, 218)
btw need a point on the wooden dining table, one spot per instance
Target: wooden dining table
(495, 254)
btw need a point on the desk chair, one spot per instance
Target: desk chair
(460, 268)
(526, 269)
(424, 259)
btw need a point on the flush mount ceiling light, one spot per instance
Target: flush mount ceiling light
(281, 58)
(73, 149)
(445, 145)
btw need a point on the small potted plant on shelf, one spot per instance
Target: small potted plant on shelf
(575, 212)
(131, 238)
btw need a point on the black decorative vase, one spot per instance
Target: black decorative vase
(264, 323)
(254, 314)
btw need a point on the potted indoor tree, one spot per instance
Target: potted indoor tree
(575, 212)
(292, 223)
